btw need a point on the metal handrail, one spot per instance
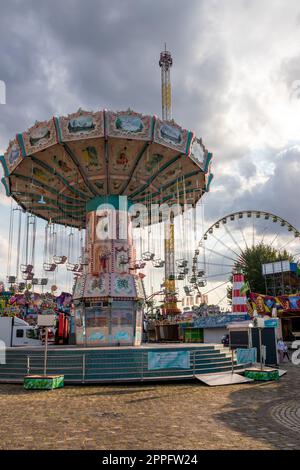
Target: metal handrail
(122, 367)
(30, 367)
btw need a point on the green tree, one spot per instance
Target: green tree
(250, 260)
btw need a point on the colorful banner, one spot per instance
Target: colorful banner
(264, 304)
(219, 321)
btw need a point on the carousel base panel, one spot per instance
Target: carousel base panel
(112, 364)
(43, 382)
(268, 373)
(264, 375)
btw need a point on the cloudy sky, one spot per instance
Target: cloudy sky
(235, 79)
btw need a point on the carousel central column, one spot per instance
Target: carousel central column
(109, 293)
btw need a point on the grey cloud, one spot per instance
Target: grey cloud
(110, 54)
(280, 194)
(61, 55)
(247, 168)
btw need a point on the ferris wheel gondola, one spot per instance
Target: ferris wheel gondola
(137, 265)
(59, 259)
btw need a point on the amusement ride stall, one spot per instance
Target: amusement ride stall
(94, 177)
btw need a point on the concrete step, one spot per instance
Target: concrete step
(109, 365)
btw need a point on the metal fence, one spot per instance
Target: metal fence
(110, 367)
(57, 364)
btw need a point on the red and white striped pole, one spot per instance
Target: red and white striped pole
(239, 301)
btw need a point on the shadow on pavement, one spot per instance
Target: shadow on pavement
(249, 411)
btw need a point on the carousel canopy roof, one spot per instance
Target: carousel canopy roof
(58, 166)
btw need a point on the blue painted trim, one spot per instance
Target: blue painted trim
(4, 182)
(207, 161)
(79, 206)
(42, 207)
(209, 180)
(58, 129)
(189, 141)
(4, 165)
(153, 119)
(47, 188)
(118, 202)
(149, 181)
(53, 172)
(83, 174)
(188, 175)
(140, 155)
(22, 145)
(105, 123)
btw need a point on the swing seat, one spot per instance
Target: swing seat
(181, 263)
(200, 273)
(187, 290)
(138, 265)
(28, 276)
(49, 267)
(77, 274)
(202, 284)
(37, 281)
(193, 279)
(79, 270)
(180, 277)
(197, 252)
(59, 259)
(26, 268)
(72, 267)
(183, 271)
(158, 263)
(148, 256)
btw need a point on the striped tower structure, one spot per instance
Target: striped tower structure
(239, 301)
(170, 301)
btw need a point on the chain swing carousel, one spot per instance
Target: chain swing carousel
(99, 169)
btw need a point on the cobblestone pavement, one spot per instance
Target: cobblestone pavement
(184, 415)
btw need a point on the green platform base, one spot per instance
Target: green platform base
(42, 382)
(257, 374)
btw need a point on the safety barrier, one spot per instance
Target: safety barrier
(116, 365)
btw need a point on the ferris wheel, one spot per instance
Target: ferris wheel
(222, 244)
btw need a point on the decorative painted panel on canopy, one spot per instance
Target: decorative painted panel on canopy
(172, 135)
(13, 156)
(80, 125)
(39, 137)
(129, 124)
(57, 166)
